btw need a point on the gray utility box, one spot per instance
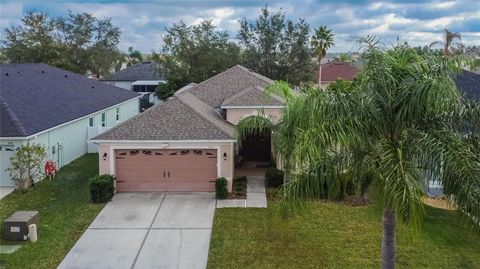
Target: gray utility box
(15, 227)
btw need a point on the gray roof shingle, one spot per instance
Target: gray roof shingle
(468, 84)
(36, 97)
(140, 71)
(216, 89)
(191, 113)
(253, 96)
(172, 120)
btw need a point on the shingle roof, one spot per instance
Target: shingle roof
(191, 113)
(139, 71)
(216, 89)
(253, 96)
(172, 120)
(468, 83)
(338, 70)
(36, 97)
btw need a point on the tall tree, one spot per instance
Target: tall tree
(452, 43)
(277, 47)
(77, 42)
(321, 41)
(402, 123)
(195, 53)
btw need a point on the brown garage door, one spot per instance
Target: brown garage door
(165, 170)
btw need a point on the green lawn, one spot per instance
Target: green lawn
(64, 214)
(332, 235)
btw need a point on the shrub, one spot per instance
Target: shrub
(274, 177)
(26, 165)
(101, 188)
(221, 190)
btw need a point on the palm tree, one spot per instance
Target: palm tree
(398, 125)
(321, 41)
(450, 46)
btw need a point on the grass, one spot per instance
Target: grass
(64, 214)
(331, 235)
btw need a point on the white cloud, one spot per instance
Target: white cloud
(142, 21)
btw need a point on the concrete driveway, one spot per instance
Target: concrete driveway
(147, 230)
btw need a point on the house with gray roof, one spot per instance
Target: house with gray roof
(188, 141)
(142, 77)
(57, 109)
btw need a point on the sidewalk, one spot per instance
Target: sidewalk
(256, 195)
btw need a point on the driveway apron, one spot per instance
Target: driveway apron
(147, 230)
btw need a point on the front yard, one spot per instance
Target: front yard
(332, 235)
(64, 214)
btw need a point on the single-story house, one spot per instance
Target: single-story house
(142, 77)
(336, 69)
(55, 108)
(188, 141)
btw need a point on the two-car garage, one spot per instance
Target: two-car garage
(165, 169)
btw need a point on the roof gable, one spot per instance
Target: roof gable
(253, 96)
(37, 97)
(216, 89)
(338, 70)
(173, 120)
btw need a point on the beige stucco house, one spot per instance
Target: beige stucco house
(187, 142)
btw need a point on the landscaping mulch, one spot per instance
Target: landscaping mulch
(239, 188)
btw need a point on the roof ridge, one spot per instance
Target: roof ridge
(147, 111)
(16, 122)
(196, 109)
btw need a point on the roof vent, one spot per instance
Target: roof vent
(93, 87)
(6, 74)
(66, 75)
(43, 71)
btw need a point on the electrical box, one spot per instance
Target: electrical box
(15, 227)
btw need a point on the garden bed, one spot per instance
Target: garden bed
(239, 188)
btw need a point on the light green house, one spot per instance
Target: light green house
(58, 109)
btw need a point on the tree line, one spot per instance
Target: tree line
(271, 45)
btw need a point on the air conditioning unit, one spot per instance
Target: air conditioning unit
(15, 227)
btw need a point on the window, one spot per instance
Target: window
(91, 121)
(104, 119)
(184, 152)
(117, 114)
(147, 152)
(133, 152)
(197, 152)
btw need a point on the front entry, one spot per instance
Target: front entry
(257, 148)
(187, 170)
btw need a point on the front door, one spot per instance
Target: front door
(257, 148)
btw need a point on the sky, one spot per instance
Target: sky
(143, 22)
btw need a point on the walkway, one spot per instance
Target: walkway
(256, 195)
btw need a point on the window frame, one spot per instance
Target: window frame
(117, 114)
(91, 121)
(104, 119)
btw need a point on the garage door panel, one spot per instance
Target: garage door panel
(166, 170)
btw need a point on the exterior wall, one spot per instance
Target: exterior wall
(127, 85)
(225, 168)
(234, 115)
(66, 143)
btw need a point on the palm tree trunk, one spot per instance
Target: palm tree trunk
(388, 242)
(319, 73)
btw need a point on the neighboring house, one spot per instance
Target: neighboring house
(468, 85)
(334, 70)
(142, 77)
(57, 109)
(187, 142)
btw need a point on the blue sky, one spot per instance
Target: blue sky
(143, 22)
